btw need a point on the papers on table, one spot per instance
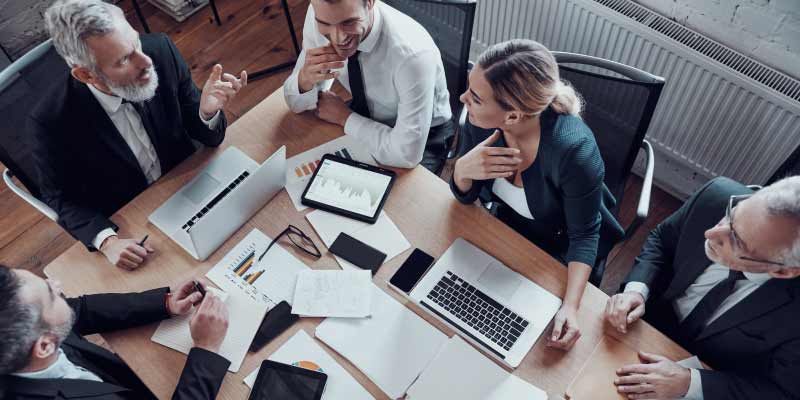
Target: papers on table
(461, 372)
(333, 293)
(244, 316)
(383, 235)
(302, 349)
(391, 348)
(269, 281)
(301, 167)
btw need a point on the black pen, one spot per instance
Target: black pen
(198, 287)
(141, 243)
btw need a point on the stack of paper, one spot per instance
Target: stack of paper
(461, 372)
(383, 235)
(333, 293)
(244, 317)
(302, 349)
(391, 348)
(301, 167)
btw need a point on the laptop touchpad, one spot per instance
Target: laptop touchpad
(500, 280)
(201, 188)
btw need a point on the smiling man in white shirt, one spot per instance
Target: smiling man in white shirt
(720, 277)
(400, 109)
(124, 115)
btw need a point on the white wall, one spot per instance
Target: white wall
(766, 30)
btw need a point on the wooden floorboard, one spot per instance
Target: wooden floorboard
(253, 36)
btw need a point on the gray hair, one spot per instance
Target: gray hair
(783, 199)
(71, 22)
(21, 324)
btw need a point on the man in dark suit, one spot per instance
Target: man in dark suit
(44, 356)
(125, 115)
(720, 277)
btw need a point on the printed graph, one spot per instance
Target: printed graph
(307, 169)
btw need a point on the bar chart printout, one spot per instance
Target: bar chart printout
(267, 281)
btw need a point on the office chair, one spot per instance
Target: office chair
(450, 24)
(619, 101)
(21, 85)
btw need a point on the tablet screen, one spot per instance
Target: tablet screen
(348, 187)
(286, 384)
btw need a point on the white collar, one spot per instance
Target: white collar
(759, 278)
(56, 370)
(371, 40)
(109, 103)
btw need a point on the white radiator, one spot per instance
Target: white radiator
(721, 113)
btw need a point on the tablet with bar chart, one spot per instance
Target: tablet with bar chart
(350, 188)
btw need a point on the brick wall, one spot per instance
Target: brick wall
(766, 30)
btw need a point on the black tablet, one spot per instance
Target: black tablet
(349, 188)
(278, 381)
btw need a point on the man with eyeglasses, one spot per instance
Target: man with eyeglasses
(720, 277)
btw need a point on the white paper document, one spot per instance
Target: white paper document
(461, 372)
(383, 235)
(392, 347)
(301, 349)
(244, 316)
(268, 281)
(333, 293)
(301, 167)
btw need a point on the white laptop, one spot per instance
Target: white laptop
(486, 302)
(219, 200)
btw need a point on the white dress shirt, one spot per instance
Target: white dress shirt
(129, 124)
(63, 368)
(513, 195)
(404, 83)
(686, 302)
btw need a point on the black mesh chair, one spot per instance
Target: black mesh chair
(21, 85)
(450, 24)
(619, 104)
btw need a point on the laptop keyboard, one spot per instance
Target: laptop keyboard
(473, 307)
(234, 183)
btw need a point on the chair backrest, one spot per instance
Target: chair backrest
(450, 24)
(21, 86)
(619, 102)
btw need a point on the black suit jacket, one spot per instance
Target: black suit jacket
(86, 171)
(754, 347)
(201, 378)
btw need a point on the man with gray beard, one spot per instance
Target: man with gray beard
(124, 115)
(43, 354)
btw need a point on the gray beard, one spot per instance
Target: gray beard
(133, 92)
(62, 331)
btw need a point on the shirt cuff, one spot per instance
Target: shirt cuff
(102, 236)
(695, 391)
(212, 123)
(297, 101)
(638, 287)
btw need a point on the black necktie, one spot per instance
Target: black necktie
(694, 323)
(359, 102)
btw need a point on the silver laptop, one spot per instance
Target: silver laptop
(219, 200)
(486, 302)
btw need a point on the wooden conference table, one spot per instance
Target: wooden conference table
(420, 204)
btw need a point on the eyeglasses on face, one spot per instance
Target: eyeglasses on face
(736, 241)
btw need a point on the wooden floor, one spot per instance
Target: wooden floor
(253, 36)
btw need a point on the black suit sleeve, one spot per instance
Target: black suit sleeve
(81, 222)
(470, 137)
(98, 313)
(189, 98)
(202, 376)
(778, 382)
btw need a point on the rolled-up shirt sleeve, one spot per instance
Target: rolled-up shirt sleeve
(299, 102)
(402, 145)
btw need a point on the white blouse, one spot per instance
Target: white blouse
(514, 196)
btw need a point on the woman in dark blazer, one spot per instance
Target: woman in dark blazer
(526, 146)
